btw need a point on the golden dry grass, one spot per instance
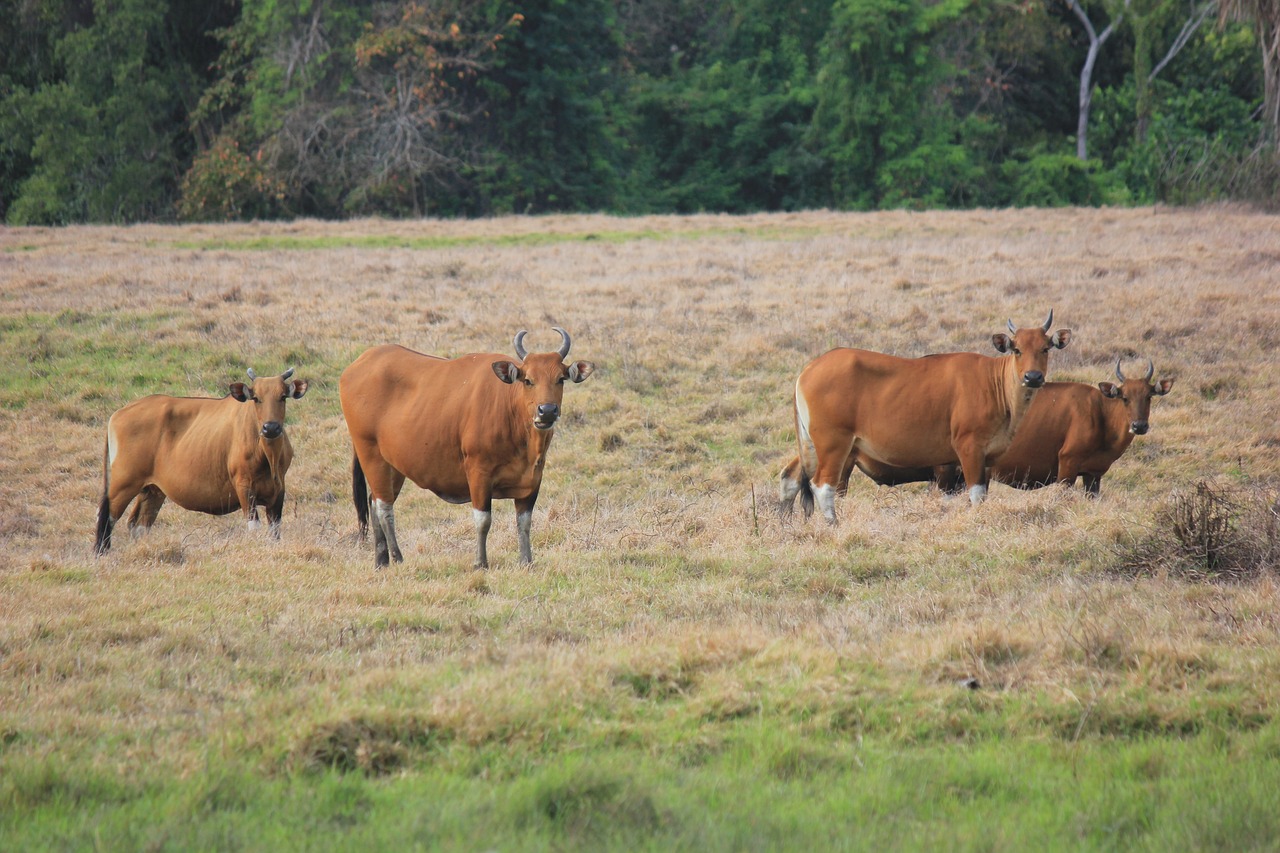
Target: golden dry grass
(661, 570)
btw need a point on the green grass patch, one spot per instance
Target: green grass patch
(393, 241)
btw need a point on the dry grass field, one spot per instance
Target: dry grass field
(680, 666)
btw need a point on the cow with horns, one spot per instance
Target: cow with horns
(1071, 430)
(205, 454)
(471, 429)
(912, 412)
(1076, 430)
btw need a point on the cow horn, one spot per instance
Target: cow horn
(1151, 370)
(252, 375)
(1048, 322)
(1119, 375)
(564, 347)
(1013, 330)
(520, 350)
(285, 376)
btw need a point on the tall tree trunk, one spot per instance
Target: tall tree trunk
(1265, 16)
(1096, 41)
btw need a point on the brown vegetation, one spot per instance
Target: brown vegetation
(662, 572)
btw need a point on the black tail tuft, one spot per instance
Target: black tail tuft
(360, 496)
(102, 539)
(806, 493)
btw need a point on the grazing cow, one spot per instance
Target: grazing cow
(1071, 430)
(450, 426)
(913, 412)
(206, 455)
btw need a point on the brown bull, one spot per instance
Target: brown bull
(474, 428)
(1071, 430)
(206, 455)
(912, 412)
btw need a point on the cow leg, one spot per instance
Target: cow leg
(788, 487)
(482, 514)
(524, 521)
(973, 461)
(274, 512)
(115, 500)
(385, 545)
(150, 499)
(1092, 484)
(833, 452)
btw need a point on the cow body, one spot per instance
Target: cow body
(206, 455)
(1072, 430)
(471, 429)
(912, 412)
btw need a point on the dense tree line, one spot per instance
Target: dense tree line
(128, 110)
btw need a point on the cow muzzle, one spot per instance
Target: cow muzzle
(547, 415)
(272, 430)
(1138, 427)
(1032, 379)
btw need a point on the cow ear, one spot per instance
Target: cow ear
(1001, 342)
(241, 392)
(1164, 386)
(1061, 338)
(580, 370)
(298, 387)
(506, 371)
(1108, 389)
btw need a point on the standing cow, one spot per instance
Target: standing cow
(913, 412)
(1071, 430)
(1076, 430)
(206, 455)
(474, 428)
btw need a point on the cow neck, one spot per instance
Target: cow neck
(272, 451)
(539, 441)
(1115, 419)
(1017, 399)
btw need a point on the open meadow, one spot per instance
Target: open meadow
(680, 668)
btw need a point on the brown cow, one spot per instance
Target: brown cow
(451, 427)
(1071, 430)
(206, 455)
(913, 412)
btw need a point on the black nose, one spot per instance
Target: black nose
(548, 411)
(1033, 379)
(272, 429)
(1138, 427)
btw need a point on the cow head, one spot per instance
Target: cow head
(268, 395)
(1030, 349)
(541, 376)
(1136, 395)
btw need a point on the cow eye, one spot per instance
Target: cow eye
(1017, 351)
(561, 380)
(528, 382)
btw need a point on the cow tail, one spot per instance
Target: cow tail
(807, 452)
(360, 495)
(806, 492)
(102, 536)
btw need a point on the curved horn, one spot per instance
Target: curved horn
(1048, 322)
(1119, 375)
(285, 376)
(252, 375)
(520, 350)
(1012, 329)
(564, 346)
(1151, 370)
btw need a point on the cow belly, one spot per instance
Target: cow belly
(214, 499)
(901, 453)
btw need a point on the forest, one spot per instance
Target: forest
(121, 111)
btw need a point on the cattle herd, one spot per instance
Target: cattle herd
(477, 428)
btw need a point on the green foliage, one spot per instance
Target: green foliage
(147, 109)
(1046, 179)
